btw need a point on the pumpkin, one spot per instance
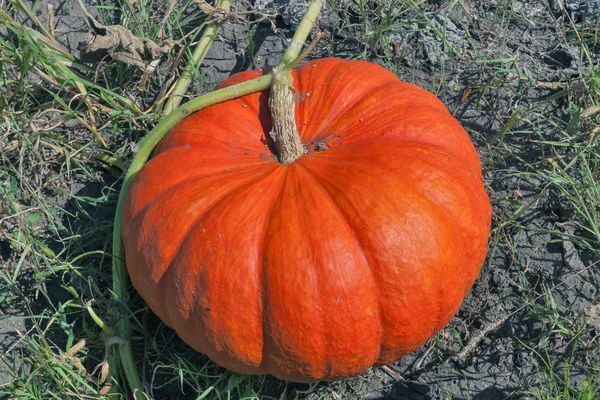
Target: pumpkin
(351, 256)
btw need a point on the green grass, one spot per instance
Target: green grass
(67, 130)
(555, 380)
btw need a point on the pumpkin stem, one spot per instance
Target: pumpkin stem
(284, 133)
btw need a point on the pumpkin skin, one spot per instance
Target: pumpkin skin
(349, 257)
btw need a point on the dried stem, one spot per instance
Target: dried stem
(282, 103)
(285, 135)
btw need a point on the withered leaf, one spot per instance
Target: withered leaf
(120, 44)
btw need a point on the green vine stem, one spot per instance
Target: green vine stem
(105, 327)
(145, 147)
(309, 19)
(184, 80)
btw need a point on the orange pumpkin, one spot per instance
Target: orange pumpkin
(349, 257)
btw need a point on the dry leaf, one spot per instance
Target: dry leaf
(106, 388)
(76, 347)
(103, 372)
(217, 13)
(204, 6)
(120, 44)
(593, 135)
(590, 111)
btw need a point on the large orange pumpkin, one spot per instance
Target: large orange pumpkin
(351, 256)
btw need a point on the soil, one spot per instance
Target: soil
(503, 364)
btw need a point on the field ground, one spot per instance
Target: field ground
(522, 76)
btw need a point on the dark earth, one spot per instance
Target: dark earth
(534, 282)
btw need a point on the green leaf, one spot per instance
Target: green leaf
(33, 217)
